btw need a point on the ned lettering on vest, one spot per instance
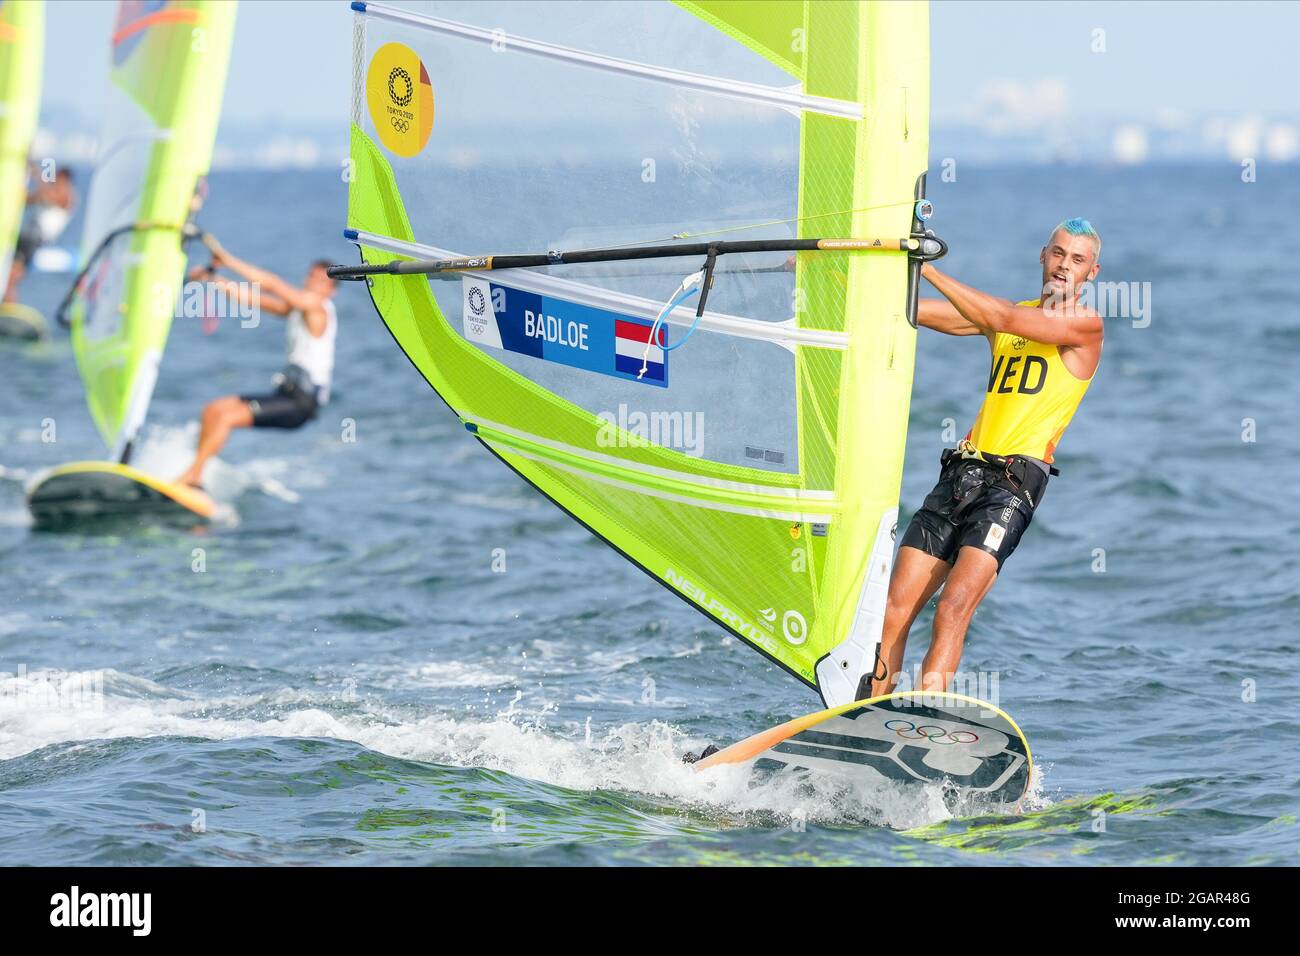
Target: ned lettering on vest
(1045, 352)
(304, 385)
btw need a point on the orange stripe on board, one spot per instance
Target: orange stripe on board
(194, 499)
(755, 745)
(153, 19)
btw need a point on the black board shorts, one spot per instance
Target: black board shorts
(994, 521)
(287, 407)
(26, 247)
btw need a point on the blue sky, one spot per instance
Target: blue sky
(997, 66)
(1193, 57)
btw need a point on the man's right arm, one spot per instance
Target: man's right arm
(942, 316)
(276, 295)
(244, 293)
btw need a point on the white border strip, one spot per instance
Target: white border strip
(668, 496)
(786, 333)
(823, 498)
(737, 89)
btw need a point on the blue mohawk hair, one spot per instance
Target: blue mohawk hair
(1078, 226)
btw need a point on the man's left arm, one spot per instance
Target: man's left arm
(1068, 324)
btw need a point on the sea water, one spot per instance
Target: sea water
(402, 654)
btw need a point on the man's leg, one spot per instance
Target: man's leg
(17, 269)
(967, 584)
(915, 578)
(220, 417)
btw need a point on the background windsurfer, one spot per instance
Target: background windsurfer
(303, 386)
(50, 205)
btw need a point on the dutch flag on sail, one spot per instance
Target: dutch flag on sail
(630, 340)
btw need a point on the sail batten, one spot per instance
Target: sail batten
(749, 461)
(823, 498)
(786, 333)
(715, 84)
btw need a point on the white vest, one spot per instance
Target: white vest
(314, 355)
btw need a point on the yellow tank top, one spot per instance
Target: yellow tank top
(1031, 398)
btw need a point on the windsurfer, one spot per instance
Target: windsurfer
(303, 387)
(1045, 353)
(50, 204)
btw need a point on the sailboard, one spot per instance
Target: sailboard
(168, 71)
(965, 745)
(18, 321)
(687, 317)
(91, 491)
(22, 48)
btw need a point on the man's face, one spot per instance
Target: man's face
(1068, 262)
(318, 281)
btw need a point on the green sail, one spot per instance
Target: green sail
(168, 74)
(22, 45)
(729, 120)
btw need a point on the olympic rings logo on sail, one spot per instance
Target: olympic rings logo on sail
(400, 124)
(931, 732)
